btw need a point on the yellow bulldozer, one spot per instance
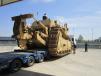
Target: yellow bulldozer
(42, 34)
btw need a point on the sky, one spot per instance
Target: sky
(83, 16)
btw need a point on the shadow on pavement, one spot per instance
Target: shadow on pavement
(22, 73)
(52, 58)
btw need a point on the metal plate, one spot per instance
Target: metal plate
(5, 2)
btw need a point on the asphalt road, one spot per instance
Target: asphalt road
(79, 64)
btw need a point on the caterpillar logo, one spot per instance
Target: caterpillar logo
(6, 2)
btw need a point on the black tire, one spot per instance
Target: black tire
(41, 59)
(31, 61)
(15, 65)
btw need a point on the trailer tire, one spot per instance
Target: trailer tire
(31, 61)
(41, 59)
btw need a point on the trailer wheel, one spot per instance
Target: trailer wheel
(31, 61)
(41, 59)
(15, 65)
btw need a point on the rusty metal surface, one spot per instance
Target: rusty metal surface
(22, 16)
(6, 2)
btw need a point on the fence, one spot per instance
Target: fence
(8, 43)
(90, 45)
(79, 45)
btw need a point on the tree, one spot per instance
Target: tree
(80, 38)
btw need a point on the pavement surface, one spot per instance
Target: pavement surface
(79, 64)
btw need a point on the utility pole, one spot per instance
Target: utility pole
(92, 31)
